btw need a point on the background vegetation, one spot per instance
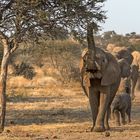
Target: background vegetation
(60, 58)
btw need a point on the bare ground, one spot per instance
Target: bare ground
(60, 113)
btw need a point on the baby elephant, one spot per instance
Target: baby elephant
(121, 105)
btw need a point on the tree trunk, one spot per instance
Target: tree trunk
(8, 48)
(3, 78)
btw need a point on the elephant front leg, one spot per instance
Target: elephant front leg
(107, 116)
(117, 117)
(104, 101)
(94, 103)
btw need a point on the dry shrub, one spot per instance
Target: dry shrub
(24, 69)
(18, 82)
(17, 95)
(52, 58)
(64, 56)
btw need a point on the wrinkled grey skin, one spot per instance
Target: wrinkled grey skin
(125, 58)
(121, 105)
(100, 76)
(134, 79)
(125, 53)
(125, 68)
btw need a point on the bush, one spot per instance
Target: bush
(25, 70)
(61, 55)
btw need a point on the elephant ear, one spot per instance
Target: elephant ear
(125, 67)
(112, 71)
(81, 65)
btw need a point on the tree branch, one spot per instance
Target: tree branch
(7, 6)
(3, 39)
(15, 45)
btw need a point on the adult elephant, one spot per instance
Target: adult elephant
(134, 79)
(121, 52)
(136, 62)
(100, 74)
(133, 59)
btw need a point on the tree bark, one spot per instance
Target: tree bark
(3, 79)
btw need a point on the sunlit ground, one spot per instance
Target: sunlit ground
(58, 113)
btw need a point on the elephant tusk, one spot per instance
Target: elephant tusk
(97, 65)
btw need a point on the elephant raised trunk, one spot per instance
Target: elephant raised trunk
(90, 38)
(91, 65)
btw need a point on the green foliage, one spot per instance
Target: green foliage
(26, 19)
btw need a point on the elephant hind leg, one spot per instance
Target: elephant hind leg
(128, 112)
(132, 93)
(94, 104)
(117, 117)
(133, 89)
(123, 117)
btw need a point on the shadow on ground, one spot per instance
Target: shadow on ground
(53, 116)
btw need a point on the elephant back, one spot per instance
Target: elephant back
(125, 86)
(121, 52)
(124, 53)
(136, 56)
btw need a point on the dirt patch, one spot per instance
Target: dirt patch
(61, 113)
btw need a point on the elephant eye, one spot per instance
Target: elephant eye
(104, 60)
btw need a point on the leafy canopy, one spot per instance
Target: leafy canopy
(24, 19)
